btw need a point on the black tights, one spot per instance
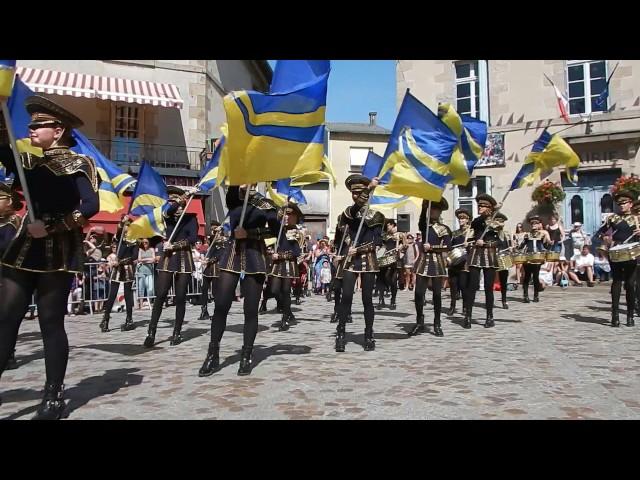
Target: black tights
(207, 284)
(458, 281)
(474, 284)
(531, 273)
(281, 289)
(368, 281)
(162, 286)
(337, 293)
(388, 277)
(113, 293)
(53, 291)
(503, 275)
(421, 290)
(225, 292)
(623, 272)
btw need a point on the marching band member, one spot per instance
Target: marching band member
(458, 272)
(393, 241)
(211, 269)
(535, 241)
(504, 243)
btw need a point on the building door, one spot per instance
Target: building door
(589, 202)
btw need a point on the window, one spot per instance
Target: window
(472, 89)
(586, 80)
(577, 209)
(127, 133)
(466, 194)
(358, 157)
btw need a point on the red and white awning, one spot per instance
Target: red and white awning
(105, 88)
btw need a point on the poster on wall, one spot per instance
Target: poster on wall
(494, 151)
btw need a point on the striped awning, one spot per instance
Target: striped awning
(105, 88)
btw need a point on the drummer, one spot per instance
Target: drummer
(535, 243)
(392, 241)
(626, 229)
(457, 268)
(504, 245)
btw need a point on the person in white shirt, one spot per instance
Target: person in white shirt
(601, 267)
(582, 265)
(578, 238)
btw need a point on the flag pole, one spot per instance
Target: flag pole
(18, 160)
(284, 210)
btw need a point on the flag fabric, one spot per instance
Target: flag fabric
(150, 224)
(209, 174)
(601, 101)
(309, 178)
(550, 151)
(472, 138)
(7, 71)
(279, 134)
(527, 176)
(20, 118)
(113, 181)
(563, 104)
(381, 195)
(418, 155)
(285, 190)
(150, 192)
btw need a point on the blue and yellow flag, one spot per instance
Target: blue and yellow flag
(381, 196)
(150, 192)
(280, 134)
(418, 155)
(20, 118)
(209, 175)
(551, 151)
(285, 190)
(7, 71)
(472, 137)
(151, 224)
(113, 181)
(526, 177)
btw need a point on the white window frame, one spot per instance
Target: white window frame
(479, 75)
(474, 194)
(357, 168)
(141, 117)
(586, 80)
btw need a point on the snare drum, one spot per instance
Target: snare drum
(386, 258)
(625, 252)
(536, 257)
(457, 256)
(505, 261)
(553, 256)
(519, 258)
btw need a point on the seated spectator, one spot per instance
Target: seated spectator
(601, 267)
(546, 275)
(582, 264)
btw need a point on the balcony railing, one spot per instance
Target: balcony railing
(128, 153)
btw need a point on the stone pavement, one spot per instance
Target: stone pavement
(558, 359)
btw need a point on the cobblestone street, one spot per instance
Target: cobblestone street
(558, 359)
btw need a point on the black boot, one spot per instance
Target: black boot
(245, 361)
(418, 327)
(284, 323)
(467, 318)
(52, 406)
(525, 293)
(452, 307)
(334, 317)
(489, 322)
(263, 307)
(11, 363)
(176, 339)
(630, 322)
(381, 304)
(340, 337)
(369, 342)
(505, 305)
(349, 319)
(297, 300)
(128, 324)
(212, 362)
(536, 299)
(437, 327)
(204, 313)
(392, 305)
(151, 337)
(104, 325)
(615, 319)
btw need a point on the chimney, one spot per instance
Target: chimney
(372, 119)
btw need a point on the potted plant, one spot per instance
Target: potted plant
(630, 183)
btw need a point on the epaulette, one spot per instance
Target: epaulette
(13, 220)
(374, 218)
(259, 201)
(66, 163)
(441, 230)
